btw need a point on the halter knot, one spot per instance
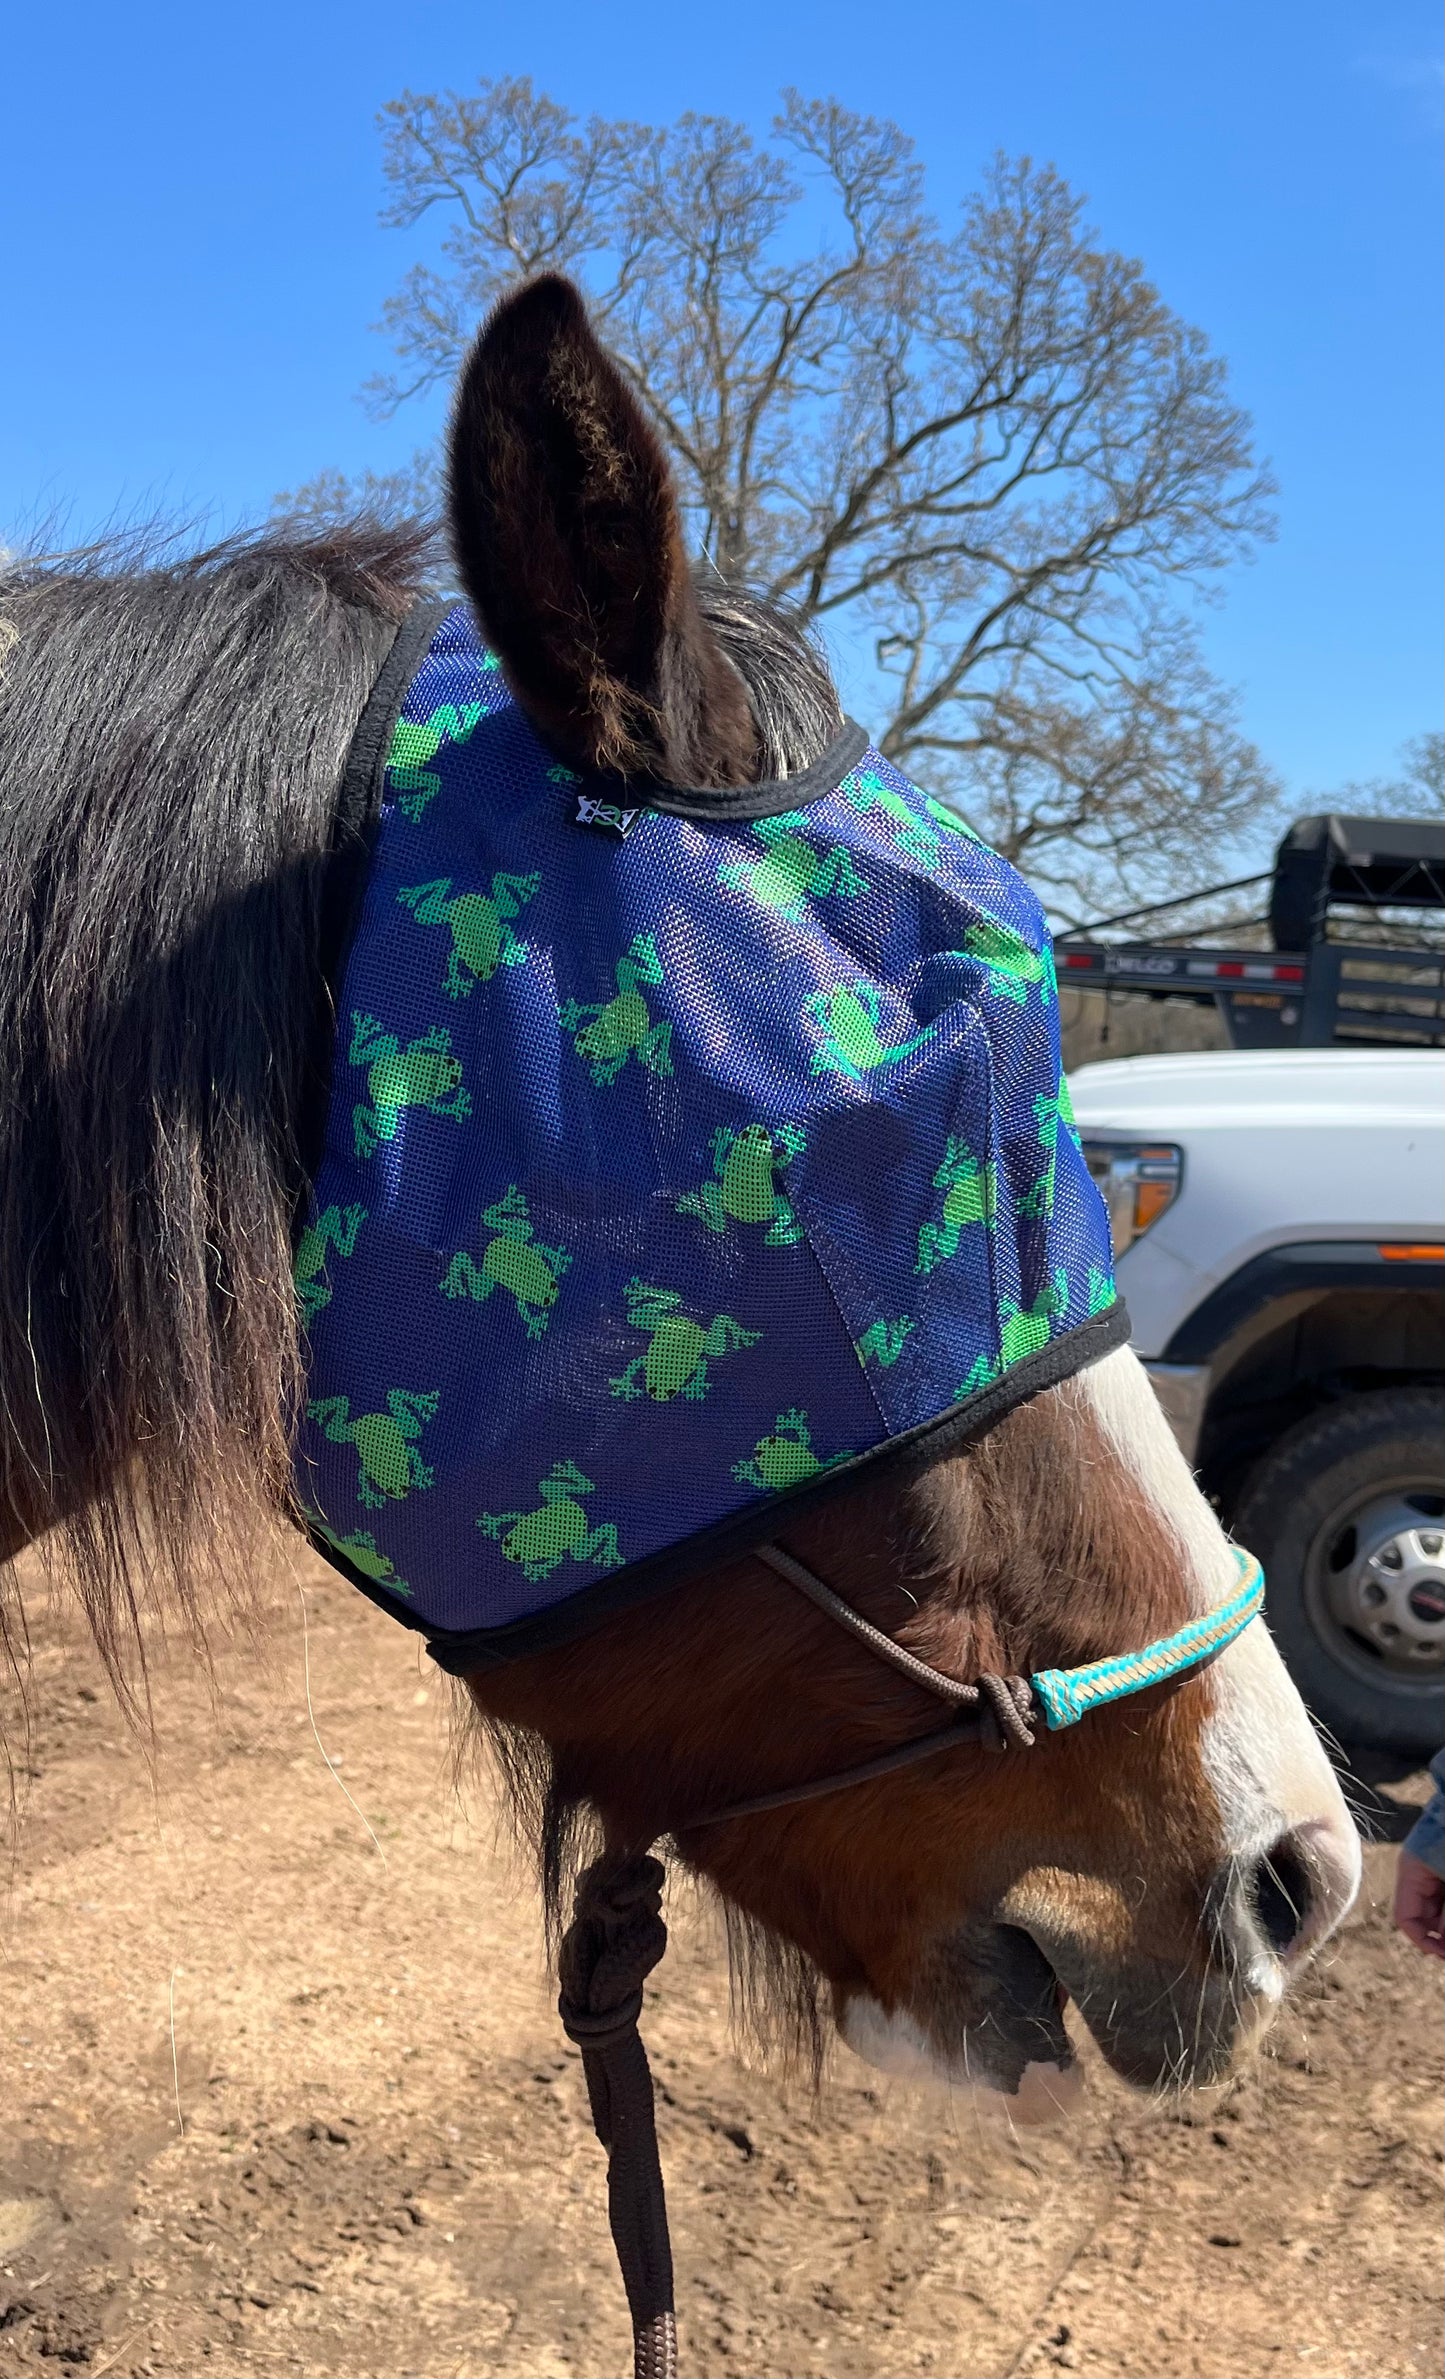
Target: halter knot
(1011, 1703)
(615, 1939)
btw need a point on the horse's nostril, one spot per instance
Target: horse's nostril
(1280, 1893)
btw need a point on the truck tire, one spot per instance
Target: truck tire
(1346, 1514)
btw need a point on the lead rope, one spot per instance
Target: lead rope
(611, 1946)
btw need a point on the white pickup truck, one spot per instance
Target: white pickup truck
(1279, 1226)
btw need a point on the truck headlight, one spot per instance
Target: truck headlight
(1139, 1180)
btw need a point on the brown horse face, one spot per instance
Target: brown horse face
(1167, 1865)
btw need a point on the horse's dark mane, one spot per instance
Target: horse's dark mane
(794, 702)
(172, 733)
(173, 730)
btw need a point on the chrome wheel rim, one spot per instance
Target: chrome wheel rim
(1375, 1585)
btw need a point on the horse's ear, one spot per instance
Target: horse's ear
(569, 542)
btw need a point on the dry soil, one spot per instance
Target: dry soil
(280, 2100)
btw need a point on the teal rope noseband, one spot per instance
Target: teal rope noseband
(999, 1709)
(1067, 1695)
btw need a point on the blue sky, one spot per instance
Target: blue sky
(192, 260)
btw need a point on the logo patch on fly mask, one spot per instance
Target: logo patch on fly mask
(605, 813)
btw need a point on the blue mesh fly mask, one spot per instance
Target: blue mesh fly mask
(683, 1157)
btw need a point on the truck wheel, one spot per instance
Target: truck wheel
(1346, 1513)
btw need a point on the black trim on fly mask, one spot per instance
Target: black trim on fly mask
(731, 802)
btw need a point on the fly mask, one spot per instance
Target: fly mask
(685, 1151)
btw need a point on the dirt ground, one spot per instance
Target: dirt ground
(279, 2101)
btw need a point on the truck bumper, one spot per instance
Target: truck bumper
(1182, 1390)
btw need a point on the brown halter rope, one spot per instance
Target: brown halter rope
(617, 1936)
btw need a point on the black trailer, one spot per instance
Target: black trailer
(1322, 980)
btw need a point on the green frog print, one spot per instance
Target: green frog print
(846, 1023)
(609, 1032)
(792, 873)
(416, 741)
(679, 1349)
(363, 1552)
(424, 1074)
(744, 1187)
(335, 1227)
(883, 1341)
(1102, 1291)
(970, 1195)
(513, 1259)
(1014, 967)
(558, 1530)
(914, 836)
(785, 1457)
(1023, 1331)
(479, 923)
(1037, 1202)
(389, 1465)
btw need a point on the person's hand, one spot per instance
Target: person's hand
(1420, 1904)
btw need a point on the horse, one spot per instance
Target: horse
(174, 733)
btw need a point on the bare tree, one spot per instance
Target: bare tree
(410, 493)
(993, 454)
(1416, 790)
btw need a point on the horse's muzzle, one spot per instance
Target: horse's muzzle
(1183, 2018)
